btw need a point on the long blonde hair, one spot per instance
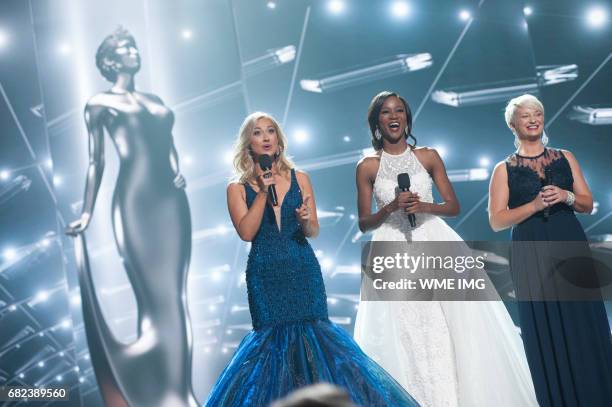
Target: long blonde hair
(244, 164)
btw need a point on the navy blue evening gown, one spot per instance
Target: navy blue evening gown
(568, 343)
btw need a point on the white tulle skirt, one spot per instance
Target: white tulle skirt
(446, 353)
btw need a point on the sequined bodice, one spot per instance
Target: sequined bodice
(385, 185)
(283, 275)
(527, 175)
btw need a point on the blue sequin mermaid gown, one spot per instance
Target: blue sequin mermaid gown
(293, 343)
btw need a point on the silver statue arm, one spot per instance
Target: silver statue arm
(95, 169)
(179, 180)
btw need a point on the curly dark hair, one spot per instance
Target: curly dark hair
(106, 51)
(374, 110)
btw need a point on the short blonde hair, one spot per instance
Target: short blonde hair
(244, 165)
(521, 101)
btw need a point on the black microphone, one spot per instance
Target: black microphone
(265, 163)
(403, 180)
(547, 181)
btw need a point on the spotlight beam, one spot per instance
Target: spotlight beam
(600, 220)
(595, 116)
(210, 98)
(245, 93)
(24, 310)
(298, 57)
(26, 141)
(471, 211)
(446, 62)
(585, 83)
(270, 60)
(396, 65)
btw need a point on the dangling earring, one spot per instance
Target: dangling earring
(278, 152)
(377, 134)
(406, 132)
(544, 138)
(517, 142)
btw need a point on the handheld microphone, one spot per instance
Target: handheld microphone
(547, 181)
(265, 163)
(403, 181)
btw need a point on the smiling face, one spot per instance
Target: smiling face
(264, 137)
(528, 122)
(392, 119)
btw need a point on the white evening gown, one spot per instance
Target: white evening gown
(445, 353)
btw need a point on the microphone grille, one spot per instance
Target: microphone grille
(265, 162)
(403, 180)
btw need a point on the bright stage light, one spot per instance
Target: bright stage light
(327, 263)
(271, 59)
(502, 91)
(4, 175)
(21, 376)
(42, 296)
(527, 11)
(464, 15)
(400, 9)
(285, 54)
(58, 378)
(75, 299)
(300, 136)
(596, 16)
(186, 34)
(484, 161)
(57, 180)
(398, 64)
(188, 160)
(346, 139)
(468, 174)
(10, 254)
(228, 157)
(65, 49)
(3, 39)
(335, 6)
(41, 364)
(271, 5)
(595, 116)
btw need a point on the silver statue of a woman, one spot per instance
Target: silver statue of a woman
(152, 228)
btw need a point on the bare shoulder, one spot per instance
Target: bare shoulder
(568, 155)
(235, 187)
(428, 157)
(302, 175)
(500, 169)
(426, 153)
(369, 164)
